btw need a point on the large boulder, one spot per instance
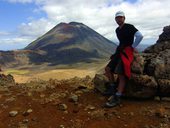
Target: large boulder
(100, 82)
(158, 65)
(138, 63)
(139, 86)
(164, 87)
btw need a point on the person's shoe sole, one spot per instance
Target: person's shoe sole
(108, 105)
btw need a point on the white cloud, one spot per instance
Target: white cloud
(13, 43)
(149, 16)
(14, 40)
(2, 33)
(35, 28)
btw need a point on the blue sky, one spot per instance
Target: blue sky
(23, 21)
(13, 14)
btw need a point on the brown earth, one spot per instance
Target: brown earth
(54, 74)
(50, 104)
(27, 73)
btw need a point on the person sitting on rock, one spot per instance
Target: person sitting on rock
(120, 62)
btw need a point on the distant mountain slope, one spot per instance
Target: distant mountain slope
(64, 44)
(72, 42)
(142, 47)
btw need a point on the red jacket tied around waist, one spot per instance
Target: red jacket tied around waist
(127, 58)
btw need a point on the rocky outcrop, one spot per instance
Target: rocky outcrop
(6, 80)
(150, 71)
(162, 43)
(158, 61)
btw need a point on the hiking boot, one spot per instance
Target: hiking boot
(111, 90)
(113, 101)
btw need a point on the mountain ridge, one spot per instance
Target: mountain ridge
(66, 43)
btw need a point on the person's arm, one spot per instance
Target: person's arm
(138, 37)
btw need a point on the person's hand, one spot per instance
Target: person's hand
(120, 48)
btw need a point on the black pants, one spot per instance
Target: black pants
(116, 64)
